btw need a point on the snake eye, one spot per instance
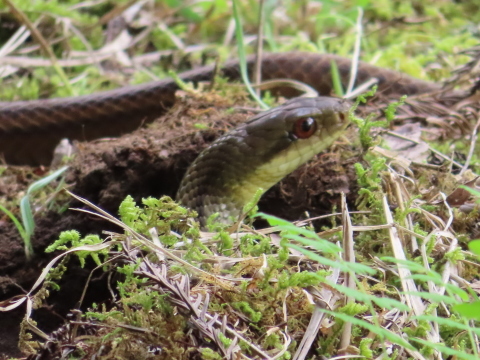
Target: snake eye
(304, 127)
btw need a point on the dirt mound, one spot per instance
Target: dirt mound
(149, 162)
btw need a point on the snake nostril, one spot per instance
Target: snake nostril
(342, 117)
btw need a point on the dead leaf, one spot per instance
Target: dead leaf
(460, 196)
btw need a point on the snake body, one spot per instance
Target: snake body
(30, 130)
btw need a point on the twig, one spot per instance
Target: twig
(404, 273)
(473, 142)
(259, 50)
(349, 256)
(356, 54)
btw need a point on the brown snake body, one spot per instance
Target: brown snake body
(29, 130)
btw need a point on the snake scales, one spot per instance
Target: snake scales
(273, 143)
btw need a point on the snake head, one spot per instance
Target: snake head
(283, 138)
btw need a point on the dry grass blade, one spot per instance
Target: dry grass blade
(473, 142)
(117, 10)
(349, 256)
(404, 273)
(259, 50)
(17, 302)
(15, 41)
(40, 62)
(356, 55)
(307, 91)
(360, 89)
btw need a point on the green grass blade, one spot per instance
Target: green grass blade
(37, 185)
(474, 246)
(26, 209)
(28, 224)
(446, 350)
(447, 322)
(27, 215)
(242, 55)
(469, 311)
(396, 339)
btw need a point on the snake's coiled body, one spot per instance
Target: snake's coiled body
(29, 130)
(225, 176)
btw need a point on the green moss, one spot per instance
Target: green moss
(72, 239)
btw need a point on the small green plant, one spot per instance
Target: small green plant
(365, 125)
(370, 182)
(162, 214)
(27, 226)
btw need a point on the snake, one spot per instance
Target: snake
(227, 174)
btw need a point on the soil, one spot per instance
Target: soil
(148, 162)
